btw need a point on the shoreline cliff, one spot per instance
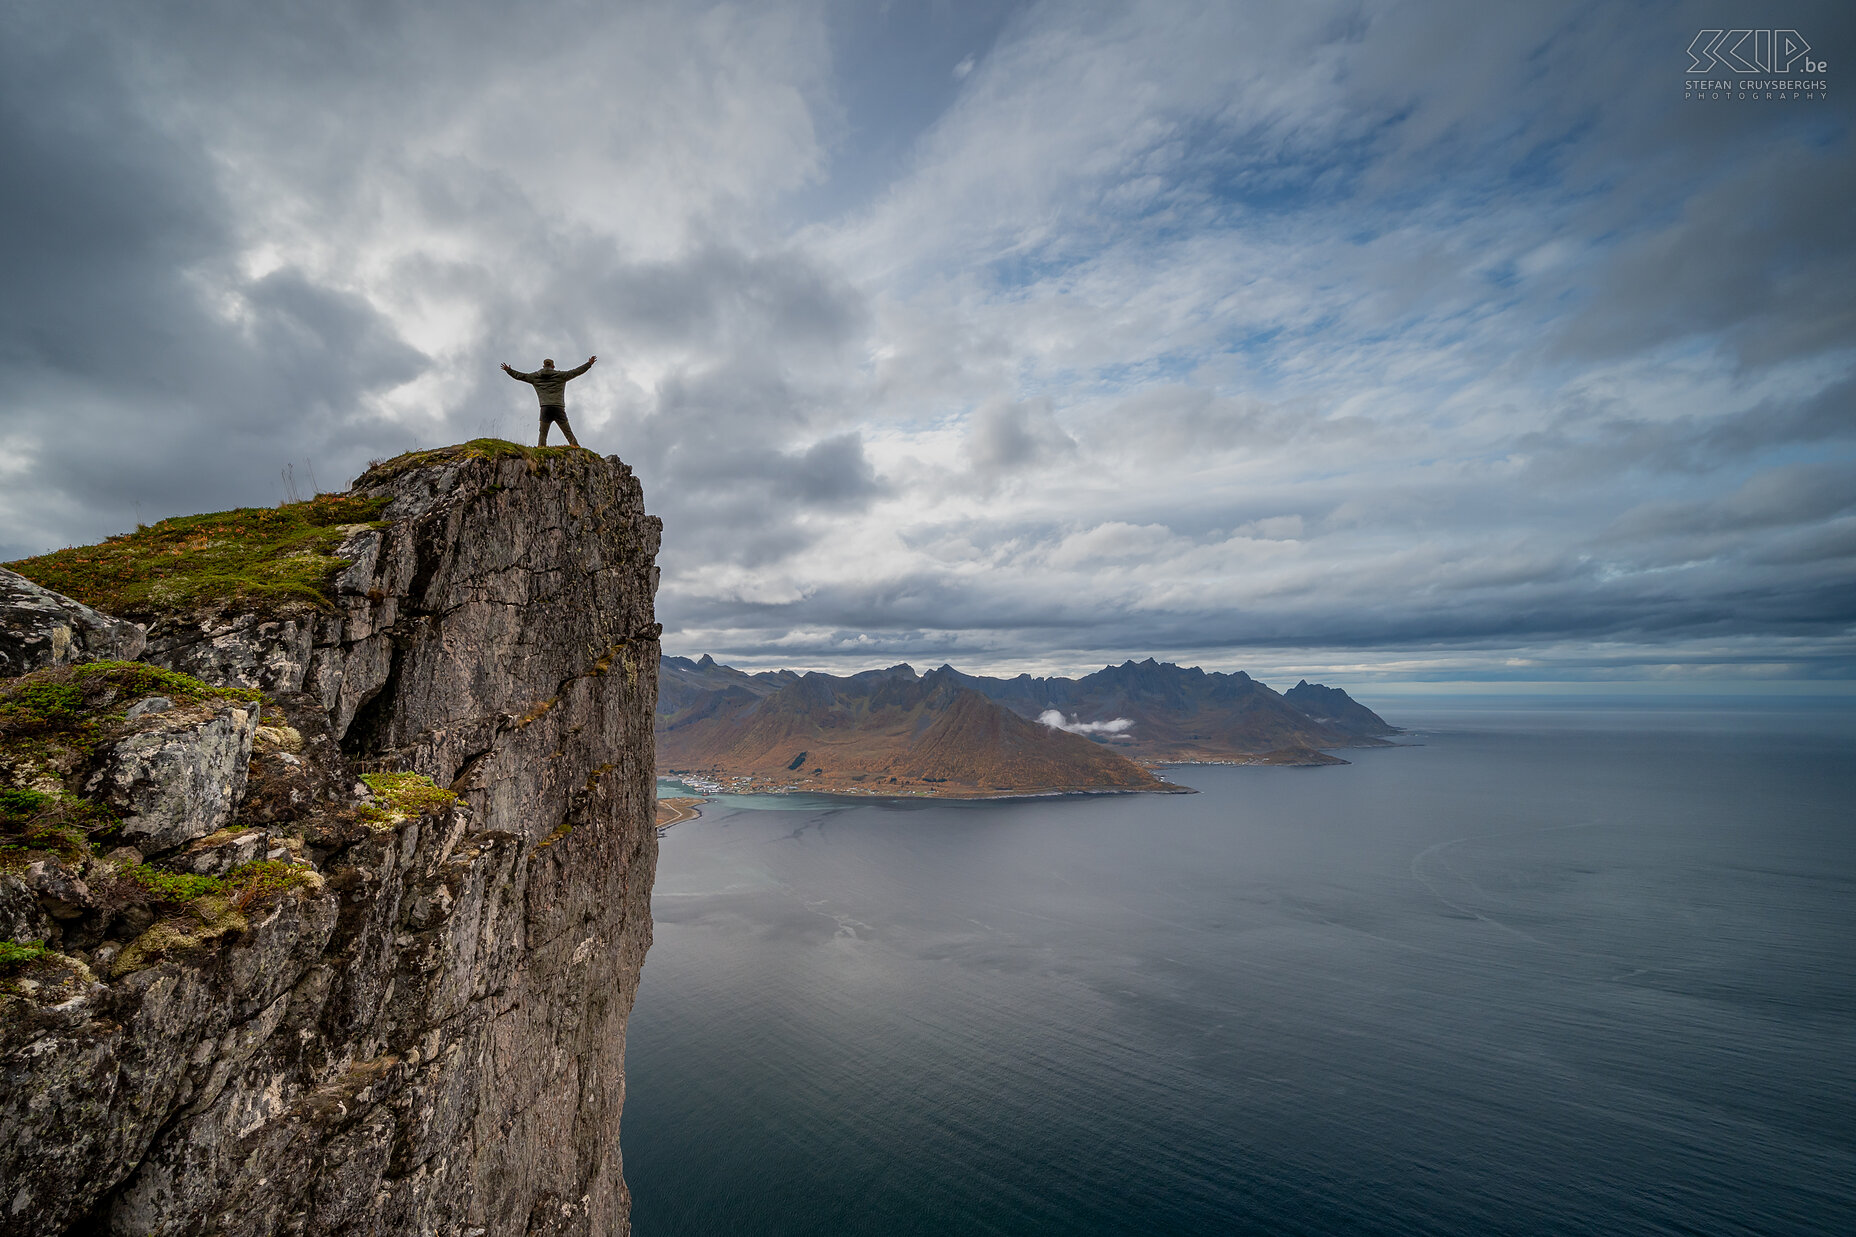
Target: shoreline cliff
(326, 908)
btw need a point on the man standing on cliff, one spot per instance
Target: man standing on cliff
(551, 388)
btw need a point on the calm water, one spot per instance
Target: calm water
(1554, 971)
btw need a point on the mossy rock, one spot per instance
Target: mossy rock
(247, 885)
(383, 471)
(268, 555)
(206, 909)
(52, 723)
(32, 970)
(36, 823)
(399, 797)
(205, 921)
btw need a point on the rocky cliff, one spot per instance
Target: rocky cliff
(325, 916)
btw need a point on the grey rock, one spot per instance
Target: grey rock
(59, 890)
(429, 1037)
(142, 708)
(22, 919)
(40, 628)
(208, 857)
(181, 779)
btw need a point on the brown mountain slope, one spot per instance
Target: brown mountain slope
(881, 732)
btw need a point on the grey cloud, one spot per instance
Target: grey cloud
(1013, 436)
(133, 391)
(1765, 256)
(833, 473)
(327, 345)
(720, 294)
(1775, 497)
(1586, 441)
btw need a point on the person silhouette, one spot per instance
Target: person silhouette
(551, 389)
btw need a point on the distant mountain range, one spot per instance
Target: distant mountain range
(946, 733)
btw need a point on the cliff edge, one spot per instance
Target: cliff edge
(326, 914)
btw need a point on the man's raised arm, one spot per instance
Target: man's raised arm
(575, 373)
(517, 374)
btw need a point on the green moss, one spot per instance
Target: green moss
(209, 907)
(475, 449)
(378, 819)
(19, 806)
(135, 679)
(73, 700)
(49, 701)
(174, 888)
(400, 797)
(408, 794)
(269, 554)
(205, 921)
(262, 879)
(15, 956)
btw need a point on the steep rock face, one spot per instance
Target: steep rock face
(426, 1036)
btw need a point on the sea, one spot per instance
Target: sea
(1548, 967)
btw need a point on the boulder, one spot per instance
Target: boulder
(41, 628)
(180, 778)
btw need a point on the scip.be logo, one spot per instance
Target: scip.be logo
(1752, 51)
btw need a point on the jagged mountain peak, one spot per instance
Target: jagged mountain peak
(1171, 712)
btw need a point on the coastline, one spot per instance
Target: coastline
(707, 790)
(676, 811)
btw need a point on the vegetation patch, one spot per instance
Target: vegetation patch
(16, 956)
(263, 881)
(200, 910)
(246, 885)
(74, 703)
(52, 722)
(266, 554)
(401, 796)
(382, 471)
(174, 888)
(32, 970)
(49, 822)
(205, 921)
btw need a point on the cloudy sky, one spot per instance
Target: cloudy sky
(1372, 341)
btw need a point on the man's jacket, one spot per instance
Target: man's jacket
(550, 384)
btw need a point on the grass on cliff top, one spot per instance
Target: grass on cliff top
(263, 554)
(381, 471)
